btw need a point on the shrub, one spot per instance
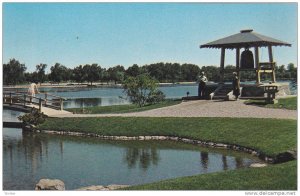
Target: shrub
(142, 89)
(33, 118)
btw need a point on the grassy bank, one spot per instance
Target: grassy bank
(287, 103)
(274, 177)
(271, 136)
(122, 108)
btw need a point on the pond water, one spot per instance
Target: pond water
(83, 162)
(104, 96)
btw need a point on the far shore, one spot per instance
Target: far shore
(84, 85)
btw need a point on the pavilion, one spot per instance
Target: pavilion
(245, 61)
(247, 39)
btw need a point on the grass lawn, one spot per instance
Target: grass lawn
(122, 108)
(270, 136)
(287, 103)
(275, 177)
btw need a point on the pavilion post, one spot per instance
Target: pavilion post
(257, 65)
(271, 61)
(238, 62)
(222, 65)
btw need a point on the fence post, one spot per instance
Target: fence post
(61, 104)
(46, 98)
(40, 104)
(10, 98)
(24, 100)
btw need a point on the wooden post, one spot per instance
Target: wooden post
(24, 100)
(10, 99)
(222, 65)
(40, 104)
(46, 98)
(257, 66)
(61, 104)
(238, 62)
(271, 61)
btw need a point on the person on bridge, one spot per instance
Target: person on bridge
(32, 90)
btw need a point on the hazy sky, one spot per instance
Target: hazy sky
(139, 33)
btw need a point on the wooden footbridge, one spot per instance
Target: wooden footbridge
(47, 103)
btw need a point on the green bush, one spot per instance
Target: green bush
(33, 118)
(142, 90)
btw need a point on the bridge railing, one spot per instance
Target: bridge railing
(42, 100)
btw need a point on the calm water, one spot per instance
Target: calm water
(89, 161)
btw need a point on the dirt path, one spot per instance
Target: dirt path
(206, 108)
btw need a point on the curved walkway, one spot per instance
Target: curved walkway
(205, 108)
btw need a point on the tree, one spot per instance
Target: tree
(40, 70)
(142, 89)
(133, 71)
(292, 69)
(13, 72)
(78, 74)
(58, 73)
(116, 73)
(92, 73)
(189, 72)
(172, 72)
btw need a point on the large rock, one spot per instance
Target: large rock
(49, 184)
(102, 188)
(258, 165)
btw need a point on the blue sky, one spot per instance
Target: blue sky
(139, 33)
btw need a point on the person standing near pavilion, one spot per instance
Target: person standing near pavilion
(202, 79)
(236, 85)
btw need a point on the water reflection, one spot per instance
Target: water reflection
(90, 102)
(204, 159)
(144, 157)
(85, 161)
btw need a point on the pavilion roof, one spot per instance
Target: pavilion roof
(246, 38)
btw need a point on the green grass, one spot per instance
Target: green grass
(274, 177)
(270, 136)
(286, 103)
(122, 108)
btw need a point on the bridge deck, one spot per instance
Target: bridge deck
(49, 111)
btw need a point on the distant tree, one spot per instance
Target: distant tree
(116, 73)
(40, 71)
(13, 72)
(92, 73)
(58, 73)
(212, 72)
(78, 74)
(189, 72)
(105, 75)
(142, 89)
(292, 69)
(156, 71)
(134, 70)
(172, 72)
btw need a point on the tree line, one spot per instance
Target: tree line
(15, 73)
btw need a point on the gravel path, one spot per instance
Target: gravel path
(206, 108)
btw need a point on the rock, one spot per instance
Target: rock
(49, 184)
(102, 188)
(116, 186)
(91, 188)
(258, 165)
